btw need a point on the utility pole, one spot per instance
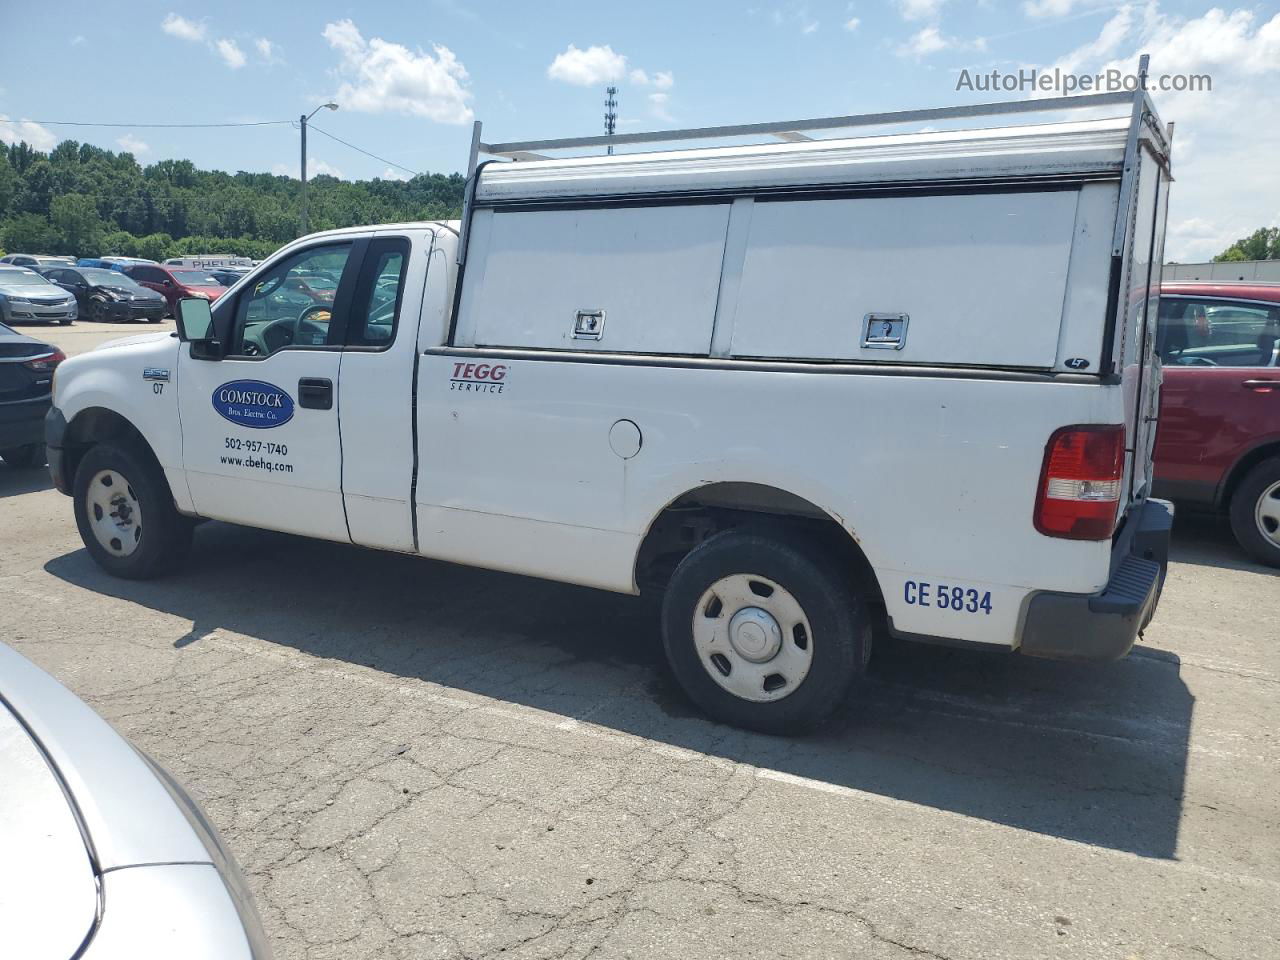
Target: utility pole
(302, 169)
(610, 113)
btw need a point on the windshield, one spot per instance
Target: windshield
(109, 278)
(16, 278)
(196, 278)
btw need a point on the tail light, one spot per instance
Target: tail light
(1080, 482)
(45, 362)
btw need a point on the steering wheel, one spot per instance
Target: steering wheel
(305, 318)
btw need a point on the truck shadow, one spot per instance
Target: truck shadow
(14, 482)
(1092, 753)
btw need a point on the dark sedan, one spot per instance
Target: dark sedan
(108, 296)
(26, 390)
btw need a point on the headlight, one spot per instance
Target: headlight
(12, 299)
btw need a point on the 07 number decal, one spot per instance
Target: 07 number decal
(917, 593)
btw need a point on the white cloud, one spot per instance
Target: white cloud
(658, 107)
(183, 28)
(26, 131)
(928, 41)
(1113, 33)
(639, 78)
(1227, 192)
(919, 9)
(796, 14)
(852, 24)
(385, 77)
(268, 51)
(588, 68)
(391, 173)
(1040, 9)
(132, 144)
(230, 53)
(78, 40)
(315, 168)
(664, 80)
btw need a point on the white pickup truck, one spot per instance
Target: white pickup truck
(805, 387)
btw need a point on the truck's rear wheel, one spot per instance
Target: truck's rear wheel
(126, 516)
(1255, 512)
(764, 633)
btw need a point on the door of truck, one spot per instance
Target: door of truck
(376, 386)
(260, 437)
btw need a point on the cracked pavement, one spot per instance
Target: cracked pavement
(414, 760)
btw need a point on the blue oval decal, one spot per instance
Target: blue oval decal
(252, 403)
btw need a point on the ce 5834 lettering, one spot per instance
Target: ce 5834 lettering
(943, 596)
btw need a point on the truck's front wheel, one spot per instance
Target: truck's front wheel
(763, 632)
(126, 515)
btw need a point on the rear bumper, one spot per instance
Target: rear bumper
(1104, 625)
(21, 422)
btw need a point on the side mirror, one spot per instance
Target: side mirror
(195, 326)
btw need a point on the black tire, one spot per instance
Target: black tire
(24, 457)
(1259, 482)
(841, 628)
(97, 312)
(65, 323)
(165, 534)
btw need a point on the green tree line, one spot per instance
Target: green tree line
(84, 201)
(1262, 244)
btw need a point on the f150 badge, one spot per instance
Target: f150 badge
(252, 403)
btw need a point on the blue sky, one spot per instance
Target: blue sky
(410, 77)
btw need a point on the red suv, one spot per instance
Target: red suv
(174, 283)
(1218, 445)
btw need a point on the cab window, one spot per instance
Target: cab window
(379, 290)
(1217, 333)
(281, 309)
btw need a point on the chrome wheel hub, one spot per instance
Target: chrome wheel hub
(755, 635)
(1267, 513)
(753, 638)
(115, 515)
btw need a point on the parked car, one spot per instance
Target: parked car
(678, 372)
(34, 260)
(26, 389)
(1218, 447)
(174, 283)
(106, 856)
(27, 296)
(108, 296)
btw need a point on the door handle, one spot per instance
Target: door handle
(1260, 384)
(315, 393)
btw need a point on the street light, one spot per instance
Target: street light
(302, 122)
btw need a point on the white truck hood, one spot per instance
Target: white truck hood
(48, 891)
(136, 338)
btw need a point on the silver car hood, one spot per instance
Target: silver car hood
(48, 889)
(32, 290)
(129, 814)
